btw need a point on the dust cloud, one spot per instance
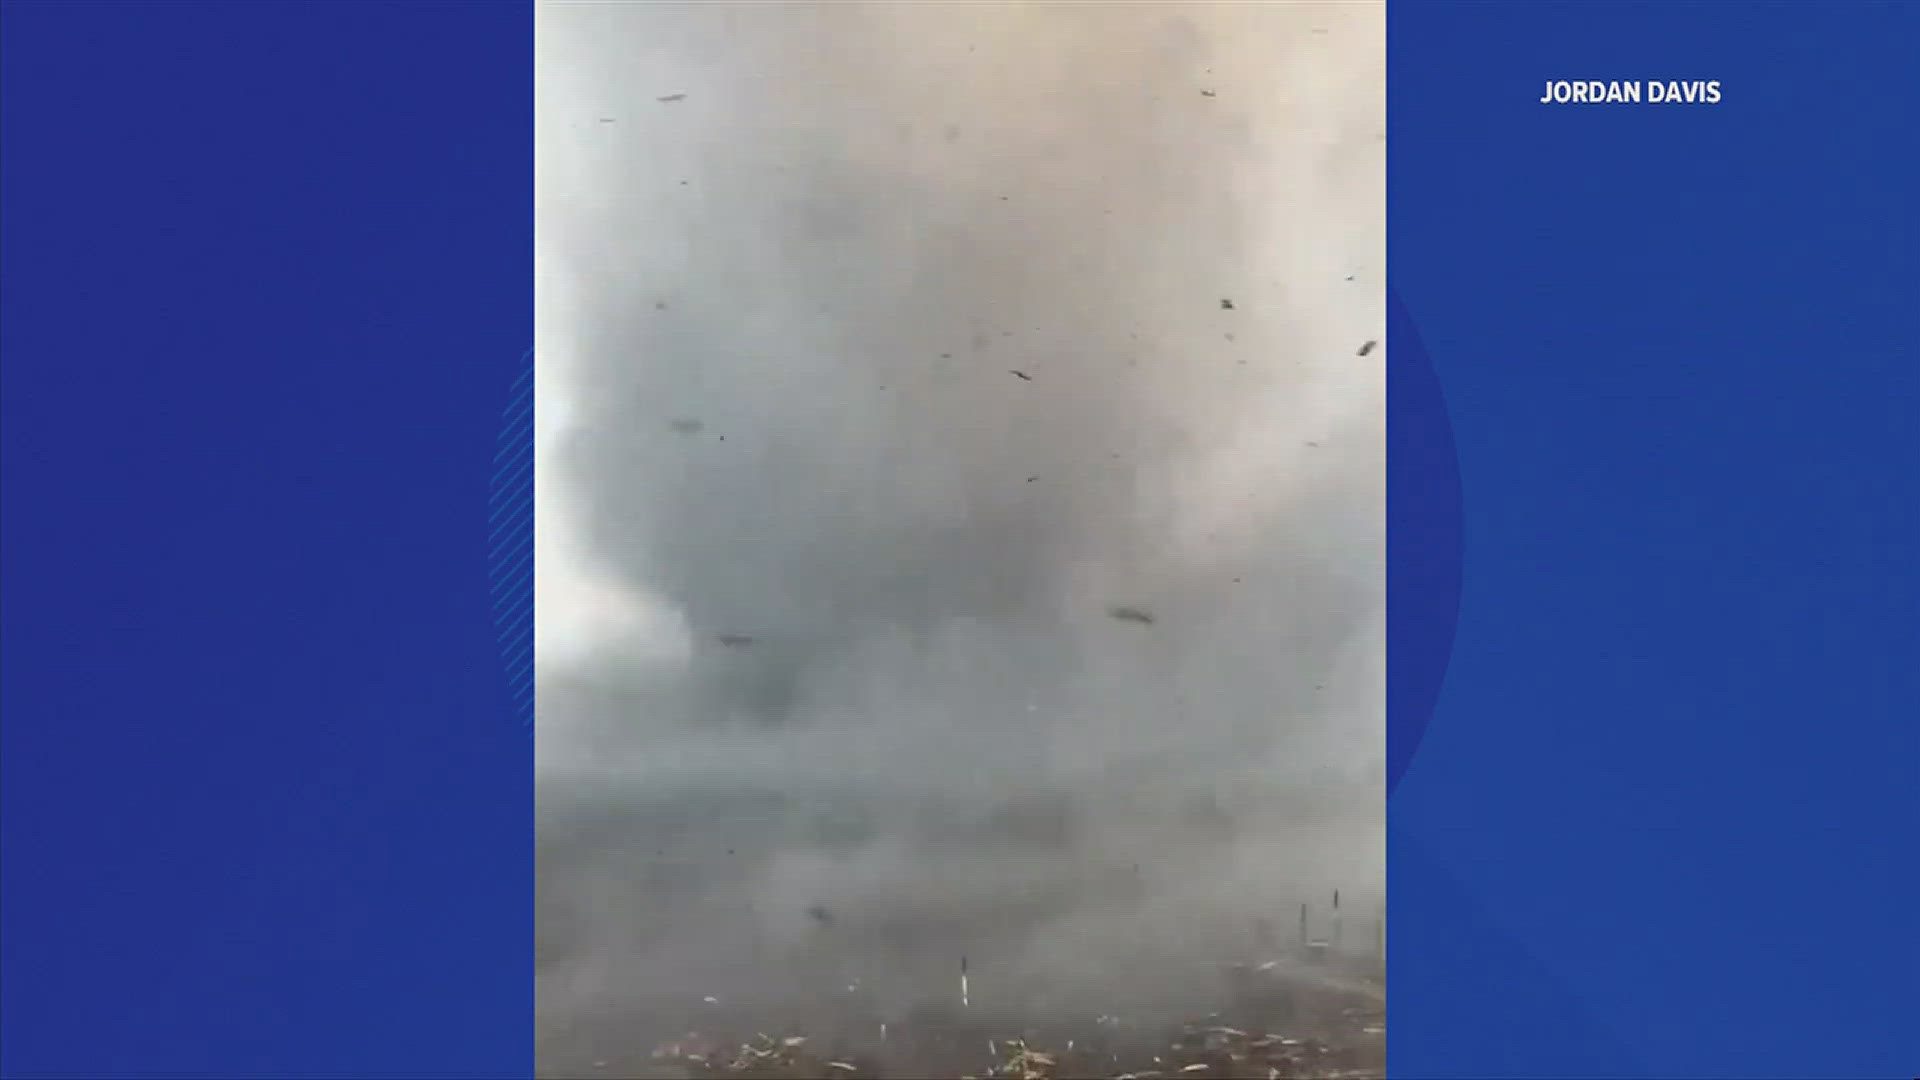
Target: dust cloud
(961, 504)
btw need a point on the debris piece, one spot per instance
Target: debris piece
(1366, 348)
(1208, 93)
(606, 119)
(1226, 305)
(734, 641)
(672, 97)
(1128, 614)
(1023, 375)
(821, 915)
(842, 1066)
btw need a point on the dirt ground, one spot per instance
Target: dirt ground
(1279, 1019)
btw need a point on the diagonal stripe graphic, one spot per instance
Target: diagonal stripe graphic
(508, 529)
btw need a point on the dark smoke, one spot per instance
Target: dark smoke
(870, 703)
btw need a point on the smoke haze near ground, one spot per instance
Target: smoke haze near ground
(831, 687)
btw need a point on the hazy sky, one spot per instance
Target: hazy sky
(830, 687)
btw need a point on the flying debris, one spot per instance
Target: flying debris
(1226, 305)
(673, 97)
(1366, 348)
(1128, 614)
(1021, 374)
(820, 915)
(606, 119)
(734, 641)
(1208, 93)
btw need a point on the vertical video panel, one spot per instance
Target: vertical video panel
(960, 532)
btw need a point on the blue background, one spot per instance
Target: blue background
(266, 781)
(267, 797)
(1662, 821)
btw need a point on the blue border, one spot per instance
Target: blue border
(263, 772)
(266, 787)
(510, 541)
(1655, 808)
